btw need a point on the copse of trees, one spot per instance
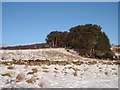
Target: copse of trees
(87, 39)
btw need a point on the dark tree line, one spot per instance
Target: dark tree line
(87, 39)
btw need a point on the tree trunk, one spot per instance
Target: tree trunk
(53, 45)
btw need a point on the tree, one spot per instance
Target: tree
(57, 39)
(87, 39)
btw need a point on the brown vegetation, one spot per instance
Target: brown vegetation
(10, 67)
(19, 78)
(49, 62)
(6, 74)
(30, 80)
(33, 46)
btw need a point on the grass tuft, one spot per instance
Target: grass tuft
(10, 67)
(19, 78)
(34, 70)
(30, 80)
(6, 74)
(46, 71)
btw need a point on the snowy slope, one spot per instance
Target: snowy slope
(41, 54)
(94, 75)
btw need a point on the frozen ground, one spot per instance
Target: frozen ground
(86, 75)
(41, 54)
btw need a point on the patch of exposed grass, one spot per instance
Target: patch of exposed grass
(10, 67)
(46, 71)
(107, 63)
(6, 74)
(49, 62)
(75, 73)
(91, 62)
(19, 77)
(30, 81)
(34, 70)
(77, 62)
(113, 68)
(30, 73)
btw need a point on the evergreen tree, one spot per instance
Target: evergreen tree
(87, 39)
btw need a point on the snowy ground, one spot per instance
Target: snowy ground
(102, 74)
(41, 54)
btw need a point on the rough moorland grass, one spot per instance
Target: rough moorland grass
(6, 74)
(30, 73)
(75, 73)
(34, 70)
(19, 77)
(45, 71)
(30, 80)
(10, 67)
(49, 62)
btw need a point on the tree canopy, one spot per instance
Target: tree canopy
(87, 39)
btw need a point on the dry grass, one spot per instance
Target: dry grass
(34, 70)
(30, 73)
(77, 62)
(6, 74)
(46, 71)
(0, 62)
(56, 72)
(49, 62)
(91, 62)
(41, 62)
(19, 77)
(30, 80)
(107, 63)
(10, 67)
(113, 68)
(75, 73)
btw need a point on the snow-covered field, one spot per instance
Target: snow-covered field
(95, 74)
(42, 54)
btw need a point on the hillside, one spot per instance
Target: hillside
(31, 46)
(55, 68)
(61, 54)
